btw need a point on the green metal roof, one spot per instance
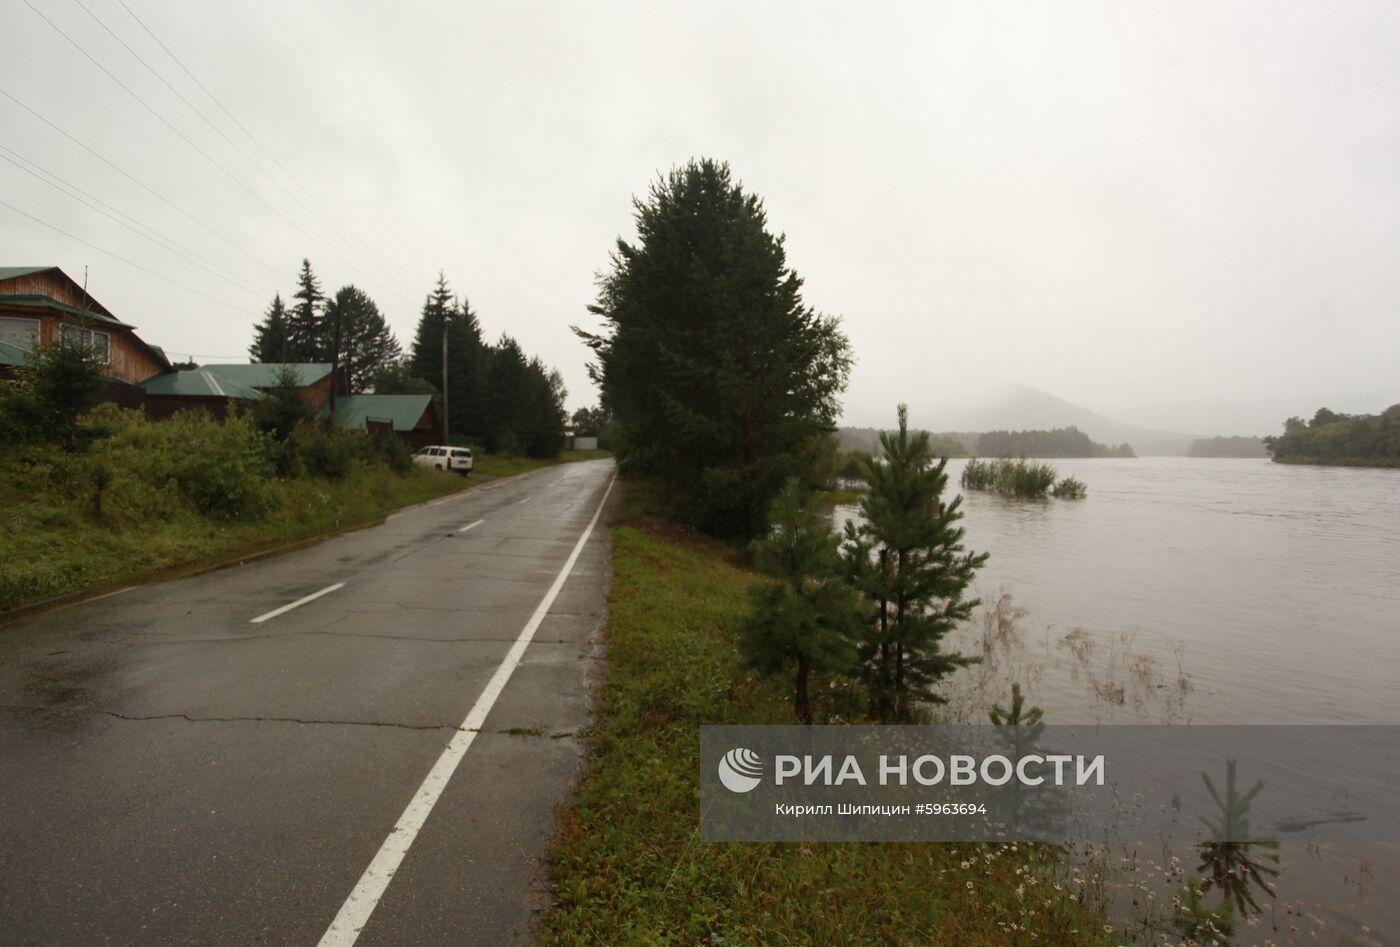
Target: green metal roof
(29, 299)
(268, 374)
(199, 383)
(14, 272)
(403, 410)
(12, 355)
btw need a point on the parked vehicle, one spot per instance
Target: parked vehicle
(442, 457)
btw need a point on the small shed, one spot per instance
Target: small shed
(411, 417)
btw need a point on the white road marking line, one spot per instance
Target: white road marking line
(525, 498)
(470, 526)
(355, 912)
(299, 602)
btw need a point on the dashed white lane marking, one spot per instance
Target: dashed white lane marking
(525, 498)
(355, 912)
(299, 602)
(471, 526)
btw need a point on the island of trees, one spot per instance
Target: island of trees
(1236, 447)
(1344, 440)
(1060, 442)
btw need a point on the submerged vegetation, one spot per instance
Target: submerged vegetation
(1344, 440)
(1020, 478)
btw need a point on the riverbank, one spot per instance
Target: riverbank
(58, 543)
(627, 863)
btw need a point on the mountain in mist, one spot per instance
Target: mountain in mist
(1021, 408)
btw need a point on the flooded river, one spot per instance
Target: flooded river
(1205, 591)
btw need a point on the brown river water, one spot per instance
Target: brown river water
(1202, 591)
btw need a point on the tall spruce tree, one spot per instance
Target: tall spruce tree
(367, 344)
(808, 621)
(715, 369)
(906, 556)
(307, 340)
(270, 336)
(466, 356)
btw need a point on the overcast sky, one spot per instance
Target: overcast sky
(1124, 204)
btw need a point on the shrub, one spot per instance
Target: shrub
(221, 469)
(397, 455)
(1018, 478)
(333, 452)
(1070, 488)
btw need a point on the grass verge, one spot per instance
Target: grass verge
(55, 543)
(627, 862)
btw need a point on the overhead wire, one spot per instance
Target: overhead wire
(183, 137)
(222, 134)
(143, 185)
(261, 147)
(122, 259)
(145, 231)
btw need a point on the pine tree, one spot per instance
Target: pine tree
(367, 344)
(907, 558)
(307, 340)
(716, 371)
(270, 336)
(806, 622)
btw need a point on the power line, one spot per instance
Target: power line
(183, 137)
(261, 147)
(220, 132)
(122, 259)
(143, 185)
(131, 223)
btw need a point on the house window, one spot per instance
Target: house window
(99, 342)
(22, 333)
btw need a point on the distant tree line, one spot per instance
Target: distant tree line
(496, 395)
(1349, 440)
(867, 440)
(1060, 442)
(1239, 447)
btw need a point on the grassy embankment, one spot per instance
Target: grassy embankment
(54, 538)
(628, 865)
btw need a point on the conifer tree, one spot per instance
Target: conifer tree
(716, 370)
(307, 340)
(270, 336)
(367, 344)
(466, 356)
(907, 559)
(807, 621)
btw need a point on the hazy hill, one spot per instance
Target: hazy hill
(1020, 408)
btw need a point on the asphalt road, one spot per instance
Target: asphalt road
(172, 772)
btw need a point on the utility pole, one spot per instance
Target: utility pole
(446, 438)
(335, 364)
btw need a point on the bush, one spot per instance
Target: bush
(397, 455)
(220, 469)
(1070, 488)
(1018, 478)
(332, 453)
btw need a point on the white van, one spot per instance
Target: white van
(445, 458)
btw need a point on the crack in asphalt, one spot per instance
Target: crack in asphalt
(297, 720)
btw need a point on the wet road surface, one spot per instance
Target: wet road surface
(173, 770)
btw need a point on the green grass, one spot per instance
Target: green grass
(627, 864)
(55, 542)
(1017, 478)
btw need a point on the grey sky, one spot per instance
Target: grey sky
(1125, 204)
